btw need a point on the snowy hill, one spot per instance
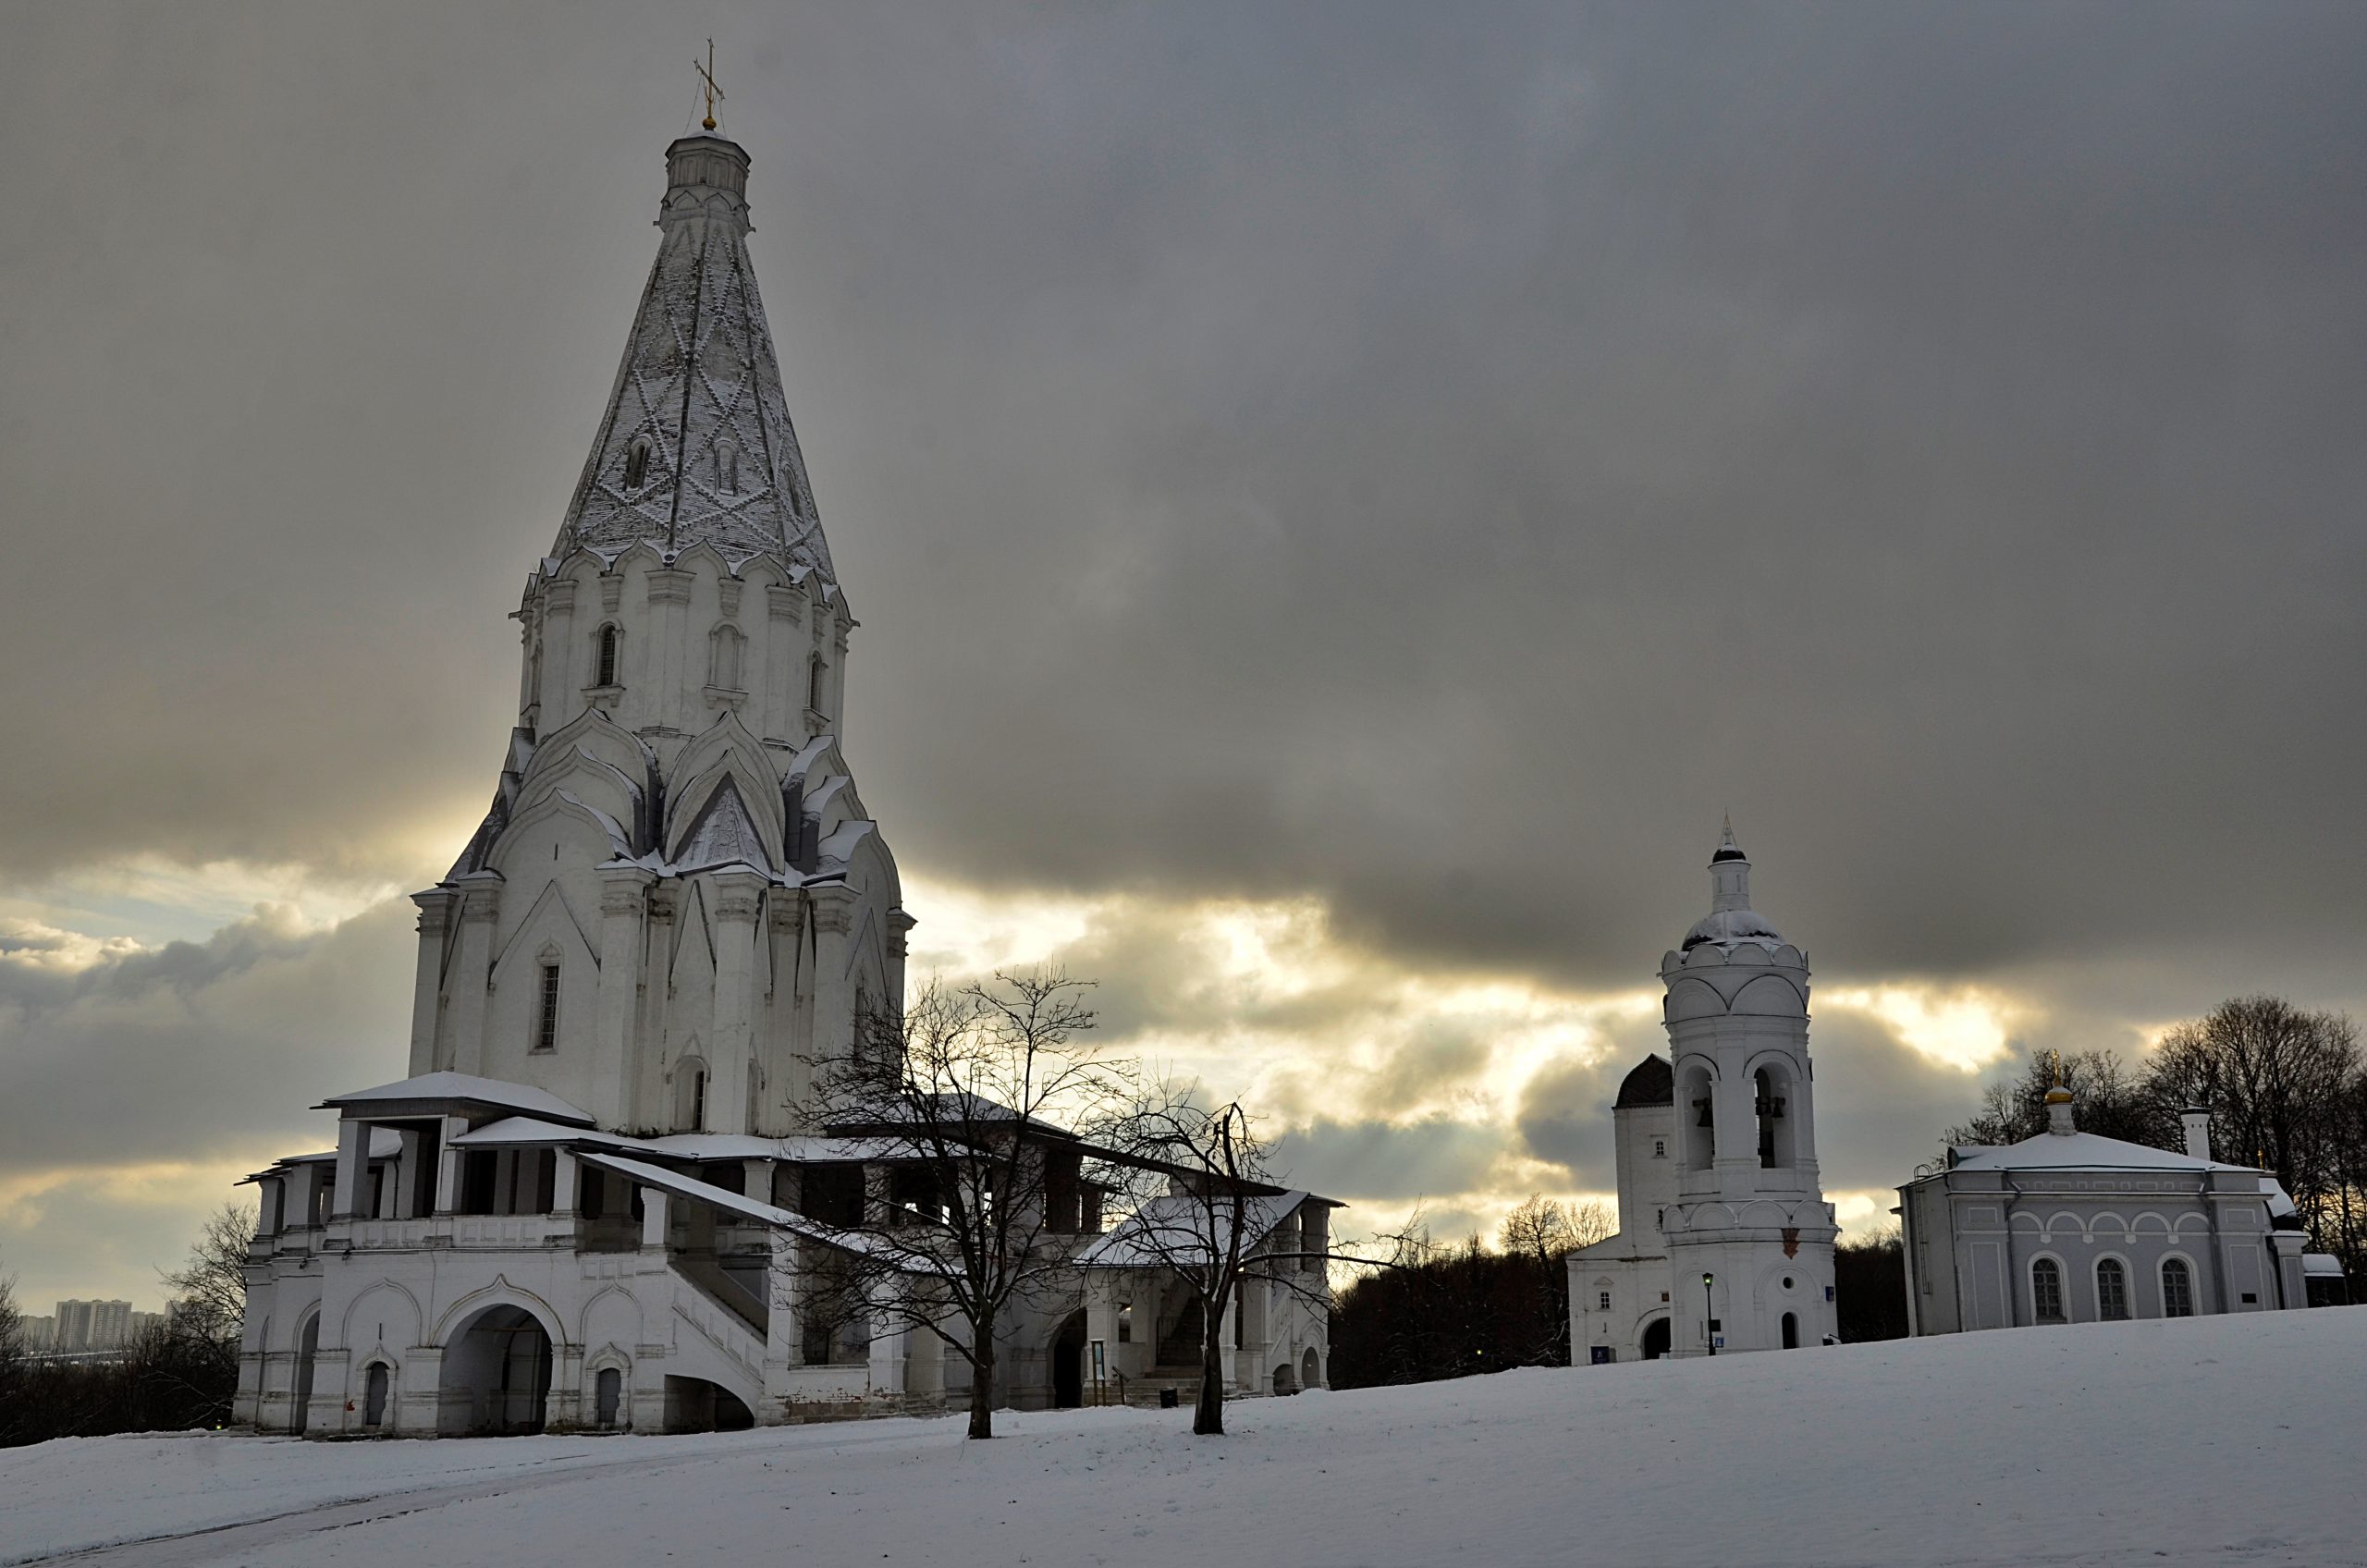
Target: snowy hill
(2221, 1440)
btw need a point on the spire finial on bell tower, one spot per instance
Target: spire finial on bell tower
(1729, 872)
(707, 75)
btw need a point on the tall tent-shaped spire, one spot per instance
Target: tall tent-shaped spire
(696, 445)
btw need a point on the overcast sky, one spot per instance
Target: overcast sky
(1340, 499)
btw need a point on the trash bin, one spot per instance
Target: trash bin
(1168, 1400)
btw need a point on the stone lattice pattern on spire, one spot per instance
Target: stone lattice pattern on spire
(695, 445)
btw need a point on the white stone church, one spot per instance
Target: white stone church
(1726, 1241)
(574, 1211)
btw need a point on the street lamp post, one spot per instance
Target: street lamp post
(1709, 1323)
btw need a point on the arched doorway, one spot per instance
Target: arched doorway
(1656, 1339)
(1068, 1364)
(373, 1395)
(1310, 1370)
(497, 1376)
(308, 1344)
(607, 1397)
(1791, 1330)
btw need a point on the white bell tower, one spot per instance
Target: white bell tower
(1750, 1235)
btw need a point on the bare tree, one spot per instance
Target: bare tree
(13, 1354)
(192, 1358)
(1203, 1190)
(971, 1102)
(2275, 1078)
(2112, 1100)
(1548, 1230)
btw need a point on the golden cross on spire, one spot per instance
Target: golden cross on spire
(707, 75)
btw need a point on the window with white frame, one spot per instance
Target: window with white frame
(2046, 1291)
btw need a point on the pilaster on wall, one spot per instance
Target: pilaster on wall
(471, 978)
(624, 896)
(427, 985)
(737, 901)
(835, 906)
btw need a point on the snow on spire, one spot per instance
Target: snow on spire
(696, 445)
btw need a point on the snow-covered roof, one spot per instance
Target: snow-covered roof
(431, 1090)
(723, 835)
(1176, 1227)
(384, 1143)
(2080, 1151)
(2322, 1263)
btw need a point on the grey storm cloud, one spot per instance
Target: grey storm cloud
(196, 1052)
(1434, 459)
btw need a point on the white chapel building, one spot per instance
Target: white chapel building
(2072, 1227)
(1726, 1241)
(581, 1206)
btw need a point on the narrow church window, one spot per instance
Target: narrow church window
(637, 465)
(723, 658)
(2046, 1291)
(547, 1018)
(2177, 1289)
(606, 674)
(698, 1102)
(726, 468)
(2112, 1290)
(1770, 1110)
(813, 671)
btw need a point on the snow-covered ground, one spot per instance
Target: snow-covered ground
(2219, 1440)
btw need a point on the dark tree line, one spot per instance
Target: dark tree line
(1448, 1311)
(2287, 1089)
(173, 1376)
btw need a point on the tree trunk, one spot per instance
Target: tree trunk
(982, 1383)
(1207, 1416)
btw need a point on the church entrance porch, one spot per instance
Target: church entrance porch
(495, 1378)
(694, 1404)
(1068, 1364)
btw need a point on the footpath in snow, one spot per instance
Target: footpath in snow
(2222, 1440)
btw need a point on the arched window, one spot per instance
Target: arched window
(637, 465)
(606, 673)
(690, 1096)
(723, 658)
(726, 468)
(1697, 1119)
(2178, 1288)
(815, 671)
(2112, 1290)
(1774, 1141)
(546, 1013)
(2046, 1291)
